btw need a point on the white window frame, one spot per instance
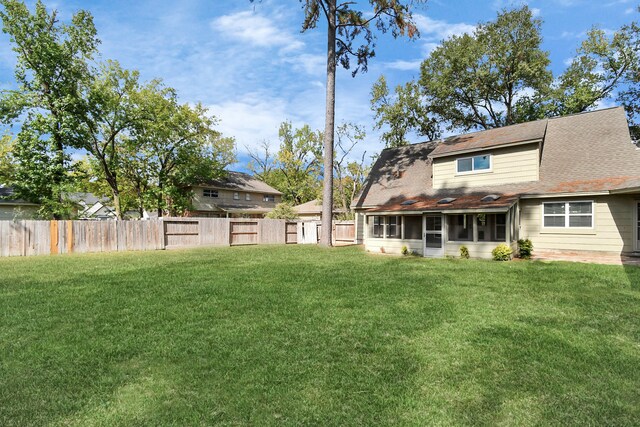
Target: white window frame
(247, 197)
(213, 193)
(474, 171)
(268, 198)
(236, 195)
(567, 215)
(381, 224)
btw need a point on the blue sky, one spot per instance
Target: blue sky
(253, 68)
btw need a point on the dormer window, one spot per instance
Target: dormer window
(474, 164)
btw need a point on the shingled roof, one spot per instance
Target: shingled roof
(239, 181)
(581, 153)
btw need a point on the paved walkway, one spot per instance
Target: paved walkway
(597, 258)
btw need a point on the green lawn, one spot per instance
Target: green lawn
(303, 335)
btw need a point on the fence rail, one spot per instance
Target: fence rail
(26, 238)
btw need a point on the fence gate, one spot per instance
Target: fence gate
(181, 233)
(243, 233)
(291, 233)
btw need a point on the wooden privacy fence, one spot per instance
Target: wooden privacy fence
(24, 238)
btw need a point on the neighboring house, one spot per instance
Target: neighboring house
(568, 183)
(92, 207)
(11, 208)
(313, 210)
(237, 195)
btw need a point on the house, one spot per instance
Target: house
(570, 184)
(237, 195)
(92, 207)
(312, 210)
(11, 208)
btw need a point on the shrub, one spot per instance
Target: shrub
(404, 250)
(464, 252)
(525, 248)
(502, 252)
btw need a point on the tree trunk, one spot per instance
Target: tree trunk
(159, 199)
(327, 191)
(116, 203)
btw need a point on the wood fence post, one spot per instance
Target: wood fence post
(53, 232)
(69, 237)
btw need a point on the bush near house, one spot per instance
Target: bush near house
(502, 252)
(525, 248)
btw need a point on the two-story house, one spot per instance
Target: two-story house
(237, 195)
(567, 183)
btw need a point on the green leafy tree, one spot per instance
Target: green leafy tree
(474, 81)
(112, 111)
(296, 169)
(52, 63)
(282, 211)
(6, 160)
(177, 148)
(403, 113)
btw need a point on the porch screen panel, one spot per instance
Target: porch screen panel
(460, 228)
(413, 227)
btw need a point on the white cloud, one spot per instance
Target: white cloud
(629, 11)
(535, 12)
(403, 65)
(257, 30)
(437, 29)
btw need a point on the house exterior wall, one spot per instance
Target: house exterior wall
(508, 165)
(11, 212)
(225, 197)
(613, 229)
(359, 219)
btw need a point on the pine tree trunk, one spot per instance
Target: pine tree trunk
(327, 191)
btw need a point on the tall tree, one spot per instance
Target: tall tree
(52, 62)
(112, 112)
(402, 113)
(474, 81)
(348, 175)
(296, 168)
(349, 37)
(179, 147)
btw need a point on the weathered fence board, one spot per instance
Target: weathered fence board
(24, 238)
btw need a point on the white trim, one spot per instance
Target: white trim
(474, 171)
(483, 149)
(564, 195)
(566, 216)
(433, 252)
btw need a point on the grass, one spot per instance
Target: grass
(302, 335)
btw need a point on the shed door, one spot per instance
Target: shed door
(434, 246)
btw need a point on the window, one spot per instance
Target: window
(247, 197)
(491, 227)
(413, 227)
(269, 198)
(236, 196)
(207, 192)
(460, 228)
(474, 164)
(377, 228)
(568, 214)
(394, 224)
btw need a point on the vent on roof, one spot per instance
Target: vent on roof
(446, 200)
(408, 202)
(490, 198)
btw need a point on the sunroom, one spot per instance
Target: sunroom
(439, 227)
